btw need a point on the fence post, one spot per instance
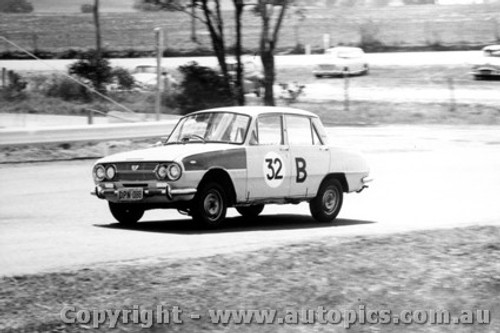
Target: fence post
(90, 117)
(326, 41)
(4, 77)
(451, 86)
(159, 77)
(346, 91)
(35, 41)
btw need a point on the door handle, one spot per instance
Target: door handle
(284, 148)
(324, 148)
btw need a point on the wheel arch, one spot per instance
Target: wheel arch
(341, 179)
(223, 178)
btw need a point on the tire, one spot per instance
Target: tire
(250, 211)
(126, 214)
(327, 204)
(209, 205)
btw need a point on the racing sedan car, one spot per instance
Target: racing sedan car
(242, 157)
(342, 60)
(488, 66)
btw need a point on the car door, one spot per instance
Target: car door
(268, 159)
(310, 158)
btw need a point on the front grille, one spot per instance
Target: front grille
(135, 171)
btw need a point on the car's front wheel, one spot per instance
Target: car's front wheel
(126, 214)
(326, 205)
(209, 205)
(250, 211)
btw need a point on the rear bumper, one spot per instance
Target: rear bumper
(365, 181)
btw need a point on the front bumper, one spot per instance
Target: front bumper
(165, 194)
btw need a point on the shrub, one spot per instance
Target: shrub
(369, 39)
(15, 87)
(123, 78)
(201, 88)
(15, 6)
(67, 89)
(95, 69)
(87, 8)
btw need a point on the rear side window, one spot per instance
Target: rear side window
(299, 130)
(270, 130)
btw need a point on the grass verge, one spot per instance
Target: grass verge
(455, 269)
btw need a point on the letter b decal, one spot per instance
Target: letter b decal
(300, 163)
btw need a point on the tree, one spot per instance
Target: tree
(211, 16)
(97, 24)
(204, 83)
(93, 68)
(269, 11)
(15, 6)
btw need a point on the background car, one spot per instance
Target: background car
(242, 157)
(339, 61)
(488, 66)
(145, 77)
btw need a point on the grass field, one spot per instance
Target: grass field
(452, 270)
(459, 26)
(73, 6)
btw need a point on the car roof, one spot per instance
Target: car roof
(345, 49)
(258, 110)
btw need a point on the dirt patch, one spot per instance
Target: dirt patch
(453, 270)
(69, 151)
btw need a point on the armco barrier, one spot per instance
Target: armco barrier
(102, 132)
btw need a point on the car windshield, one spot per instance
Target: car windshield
(221, 127)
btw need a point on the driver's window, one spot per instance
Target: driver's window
(269, 130)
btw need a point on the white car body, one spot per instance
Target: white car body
(342, 60)
(251, 156)
(488, 66)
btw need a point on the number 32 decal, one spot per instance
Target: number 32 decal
(275, 166)
(274, 169)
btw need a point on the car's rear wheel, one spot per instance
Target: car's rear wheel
(250, 211)
(209, 205)
(327, 204)
(126, 214)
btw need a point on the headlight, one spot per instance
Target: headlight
(171, 171)
(100, 173)
(174, 171)
(161, 172)
(110, 172)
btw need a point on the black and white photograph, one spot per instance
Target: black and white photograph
(250, 166)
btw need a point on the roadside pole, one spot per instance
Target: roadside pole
(159, 81)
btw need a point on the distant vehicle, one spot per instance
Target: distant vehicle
(253, 78)
(243, 157)
(145, 76)
(343, 60)
(488, 66)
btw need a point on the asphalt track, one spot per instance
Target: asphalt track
(425, 178)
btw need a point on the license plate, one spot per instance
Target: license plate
(130, 194)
